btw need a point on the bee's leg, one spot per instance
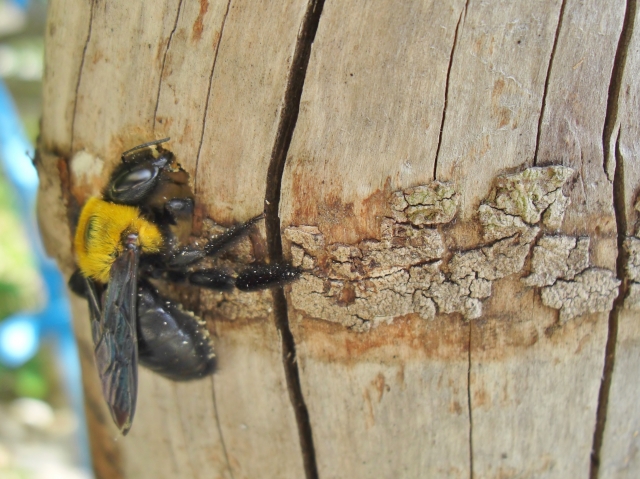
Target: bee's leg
(233, 234)
(263, 276)
(252, 278)
(78, 284)
(215, 279)
(189, 255)
(185, 256)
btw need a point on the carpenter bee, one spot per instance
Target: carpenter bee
(135, 233)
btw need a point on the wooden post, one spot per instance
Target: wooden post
(457, 181)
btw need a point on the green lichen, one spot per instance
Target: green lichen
(435, 203)
(529, 193)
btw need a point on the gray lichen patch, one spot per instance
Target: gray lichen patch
(308, 237)
(557, 257)
(471, 274)
(533, 196)
(497, 224)
(632, 248)
(632, 301)
(591, 291)
(360, 286)
(458, 296)
(493, 262)
(408, 270)
(235, 305)
(402, 246)
(453, 297)
(364, 284)
(432, 204)
(359, 305)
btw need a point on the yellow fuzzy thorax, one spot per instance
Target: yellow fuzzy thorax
(99, 237)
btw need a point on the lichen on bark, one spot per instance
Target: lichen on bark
(557, 257)
(410, 271)
(432, 204)
(591, 291)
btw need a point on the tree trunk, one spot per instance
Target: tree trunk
(457, 183)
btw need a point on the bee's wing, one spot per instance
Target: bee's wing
(116, 343)
(94, 308)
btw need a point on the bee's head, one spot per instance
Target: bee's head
(138, 174)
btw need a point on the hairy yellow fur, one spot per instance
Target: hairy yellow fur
(99, 237)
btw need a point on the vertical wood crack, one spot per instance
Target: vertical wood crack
(618, 305)
(546, 81)
(215, 411)
(619, 206)
(183, 432)
(446, 90)
(206, 105)
(164, 59)
(288, 119)
(75, 98)
(615, 84)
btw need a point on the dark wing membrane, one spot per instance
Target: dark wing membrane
(94, 309)
(116, 344)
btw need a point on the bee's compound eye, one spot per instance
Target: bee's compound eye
(134, 179)
(133, 184)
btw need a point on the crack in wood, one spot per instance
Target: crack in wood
(183, 431)
(286, 127)
(546, 81)
(618, 304)
(75, 97)
(446, 90)
(613, 97)
(165, 413)
(206, 104)
(219, 427)
(610, 128)
(164, 59)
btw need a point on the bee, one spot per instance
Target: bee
(138, 232)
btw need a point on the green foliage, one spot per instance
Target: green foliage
(32, 379)
(20, 284)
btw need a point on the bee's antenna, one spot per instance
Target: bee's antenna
(144, 145)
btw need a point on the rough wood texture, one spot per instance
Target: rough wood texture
(147, 71)
(459, 191)
(619, 456)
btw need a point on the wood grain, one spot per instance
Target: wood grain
(619, 454)
(445, 96)
(357, 138)
(513, 76)
(119, 74)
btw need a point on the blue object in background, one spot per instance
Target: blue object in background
(23, 4)
(21, 334)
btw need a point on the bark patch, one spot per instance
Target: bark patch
(409, 270)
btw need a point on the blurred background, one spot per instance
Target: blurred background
(42, 427)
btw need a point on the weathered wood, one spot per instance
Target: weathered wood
(133, 72)
(621, 438)
(532, 383)
(454, 308)
(543, 393)
(392, 401)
